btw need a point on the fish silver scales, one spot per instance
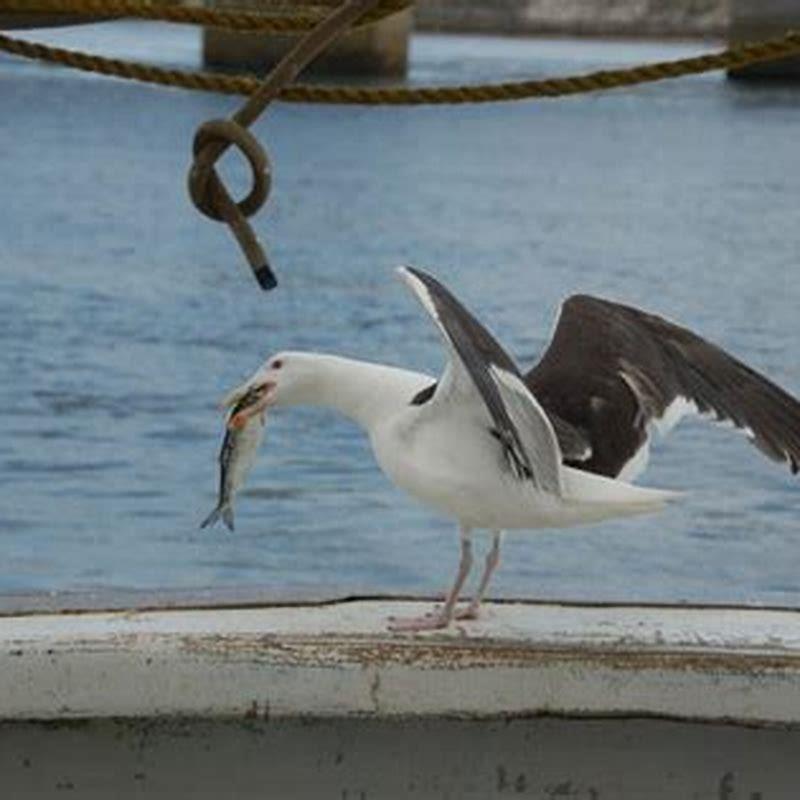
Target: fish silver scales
(236, 458)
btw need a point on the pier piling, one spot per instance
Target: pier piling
(379, 49)
(753, 20)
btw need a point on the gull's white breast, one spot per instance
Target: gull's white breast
(456, 466)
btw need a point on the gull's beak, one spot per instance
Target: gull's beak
(246, 401)
(236, 395)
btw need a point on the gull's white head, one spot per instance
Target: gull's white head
(284, 379)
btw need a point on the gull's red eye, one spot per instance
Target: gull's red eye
(277, 364)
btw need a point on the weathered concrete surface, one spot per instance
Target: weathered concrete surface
(361, 759)
(380, 49)
(319, 701)
(576, 17)
(337, 659)
(752, 20)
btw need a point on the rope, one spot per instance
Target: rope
(733, 58)
(277, 18)
(214, 137)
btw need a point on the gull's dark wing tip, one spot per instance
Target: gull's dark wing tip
(424, 286)
(407, 269)
(418, 279)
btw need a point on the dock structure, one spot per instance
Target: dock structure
(656, 18)
(754, 20)
(319, 700)
(20, 20)
(377, 50)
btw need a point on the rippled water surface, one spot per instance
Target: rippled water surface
(124, 315)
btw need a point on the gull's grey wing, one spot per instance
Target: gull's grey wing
(573, 442)
(614, 371)
(479, 364)
(533, 428)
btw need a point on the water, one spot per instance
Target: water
(124, 315)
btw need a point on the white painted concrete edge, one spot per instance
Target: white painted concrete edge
(337, 659)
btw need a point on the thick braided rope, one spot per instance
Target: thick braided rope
(732, 58)
(213, 138)
(276, 18)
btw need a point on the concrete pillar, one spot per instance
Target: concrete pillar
(377, 50)
(752, 20)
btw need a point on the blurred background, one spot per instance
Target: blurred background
(125, 315)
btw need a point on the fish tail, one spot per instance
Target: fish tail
(211, 518)
(224, 511)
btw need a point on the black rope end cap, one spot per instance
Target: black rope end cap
(265, 277)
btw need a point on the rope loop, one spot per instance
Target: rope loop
(207, 191)
(210, 196)
(213, 138)
(211, 141)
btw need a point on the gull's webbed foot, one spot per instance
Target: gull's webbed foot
(427, 622)
(469, 612)
(443, 616)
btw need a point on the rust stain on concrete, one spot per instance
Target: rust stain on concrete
(333, 651)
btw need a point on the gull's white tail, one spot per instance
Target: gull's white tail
(605, 497)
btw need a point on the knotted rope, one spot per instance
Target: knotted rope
(213, 138)
(272, 18)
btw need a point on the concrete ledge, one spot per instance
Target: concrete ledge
(373, 759)
(337, 660)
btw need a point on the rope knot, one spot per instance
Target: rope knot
(210, 196)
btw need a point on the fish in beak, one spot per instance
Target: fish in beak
(246, 401)
(244, 432)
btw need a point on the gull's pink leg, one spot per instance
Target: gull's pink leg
(492, 560)
(442, 617)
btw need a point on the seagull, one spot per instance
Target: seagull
(497, 449)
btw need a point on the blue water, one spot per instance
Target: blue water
(124, 315)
